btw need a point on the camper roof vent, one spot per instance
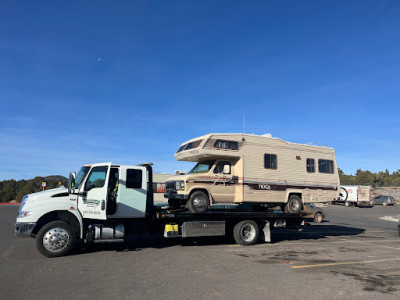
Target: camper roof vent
(268, 135)
(180, 172)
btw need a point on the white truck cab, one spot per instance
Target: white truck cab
(95, 205)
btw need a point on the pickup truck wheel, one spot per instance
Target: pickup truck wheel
(294, 205)
(55, 239)
(198, 202)
(318, 218)
(246, 232)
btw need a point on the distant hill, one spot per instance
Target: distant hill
(15, 190)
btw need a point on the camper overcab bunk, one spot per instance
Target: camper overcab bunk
(259, 170)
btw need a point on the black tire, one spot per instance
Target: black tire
(198, 202)
(294, 205)
(55, 239)
(246, 232)
(318, 218)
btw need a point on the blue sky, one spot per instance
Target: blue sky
(129, 81)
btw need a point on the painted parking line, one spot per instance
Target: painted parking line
(345, 263)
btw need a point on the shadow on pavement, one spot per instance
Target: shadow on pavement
(142, 242)
(315, 232)
(138, 243)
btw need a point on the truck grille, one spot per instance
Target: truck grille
(170, 187)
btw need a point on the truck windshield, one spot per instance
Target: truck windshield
(81, 176)
(202, 167)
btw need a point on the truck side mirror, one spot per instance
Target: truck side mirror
(227, 169)
(71, 182)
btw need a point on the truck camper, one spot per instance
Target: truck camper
(257, 169)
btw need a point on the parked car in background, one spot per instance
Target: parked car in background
(384, 200)
(310, 211)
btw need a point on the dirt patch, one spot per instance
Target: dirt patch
(385, 284)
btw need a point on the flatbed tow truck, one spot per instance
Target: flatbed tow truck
(106, 203)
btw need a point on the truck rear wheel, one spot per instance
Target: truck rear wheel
(294, 205)
(55, 239)
(246, 232)
(198, 202)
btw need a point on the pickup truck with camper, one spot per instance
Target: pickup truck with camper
(258, 170)
(106, 203)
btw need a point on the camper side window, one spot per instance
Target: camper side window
(226, 144)
(270, 161)
(310, 165)
(325, 166)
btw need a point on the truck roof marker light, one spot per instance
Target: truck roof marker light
(72, 208)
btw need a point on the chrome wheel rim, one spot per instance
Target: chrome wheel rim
(248, 232)
(294, 205)
(56, 239)
(200, 202)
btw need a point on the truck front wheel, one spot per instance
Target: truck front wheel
(56, 238)
(246, 232)
(198, 202)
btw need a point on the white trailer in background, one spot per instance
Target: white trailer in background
(354, 195)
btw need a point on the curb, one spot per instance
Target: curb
(17, 203)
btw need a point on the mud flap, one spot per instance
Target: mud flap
(265, 235)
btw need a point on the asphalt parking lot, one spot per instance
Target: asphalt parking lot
(354, 254)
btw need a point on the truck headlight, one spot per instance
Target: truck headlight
(22, 203)
(23, 214)
(180, 185)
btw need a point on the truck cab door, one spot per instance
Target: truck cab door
(223, 188)
(92, 197)
(132, 192)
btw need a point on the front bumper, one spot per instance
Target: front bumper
(24, 229)
(171, 195)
